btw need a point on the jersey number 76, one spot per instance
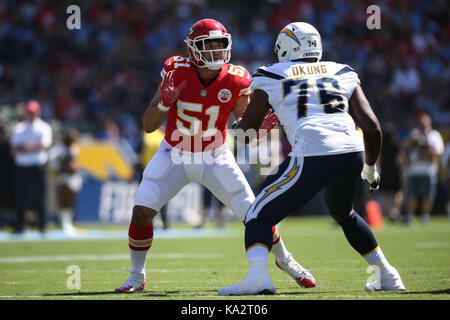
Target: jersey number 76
(329, 94)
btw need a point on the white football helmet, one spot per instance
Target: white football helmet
(298, 40)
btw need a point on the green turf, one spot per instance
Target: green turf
(196, 268)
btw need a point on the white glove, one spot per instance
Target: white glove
(370, 174)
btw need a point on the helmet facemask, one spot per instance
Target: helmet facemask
(203, 57)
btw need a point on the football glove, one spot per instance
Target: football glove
(269, 122)
(235, 123)
(170, 92)
(370, 174)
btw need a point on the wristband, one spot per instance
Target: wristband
(368, 173)
(162, 107)
(369, 169)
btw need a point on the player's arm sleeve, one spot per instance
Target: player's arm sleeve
(246, 91)
(244, 85)
(264, 82)
(258, 83)
(259, 104)
(348, 79)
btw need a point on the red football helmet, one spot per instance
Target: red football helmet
(199, 34)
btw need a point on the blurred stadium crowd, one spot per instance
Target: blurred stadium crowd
(100, 78)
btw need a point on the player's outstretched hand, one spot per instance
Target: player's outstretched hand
(269, 122)
(170, 92)
(370, 174)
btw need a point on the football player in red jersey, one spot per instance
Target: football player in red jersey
(198, 95)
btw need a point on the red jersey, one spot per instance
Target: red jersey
(198, 120)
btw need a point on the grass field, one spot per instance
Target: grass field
(196, 267)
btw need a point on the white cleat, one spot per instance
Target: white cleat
(301, 275)
(135, 282)
(389, 280)
(257, 281)
(72, 231)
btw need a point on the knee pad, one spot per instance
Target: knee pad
(240, 203)
(158, 167)
(148, 195)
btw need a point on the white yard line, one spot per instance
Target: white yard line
(109, 257)
(94, 234)
(435, 244)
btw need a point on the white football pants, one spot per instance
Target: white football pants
(171, 169)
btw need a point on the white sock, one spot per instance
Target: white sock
(279, 251)
(138, 259)
(66, 217)
(258, 256)
(377, 258)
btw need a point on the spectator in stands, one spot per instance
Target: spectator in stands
(406, 79)
(446, 165)
(424, 147)
(81, 77)
(391, 162)
(30, 140)
(110, 131)
(69, 181)
(6, 181)
(89, 76)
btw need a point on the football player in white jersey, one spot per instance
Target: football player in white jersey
(319, 105)
(197, 85)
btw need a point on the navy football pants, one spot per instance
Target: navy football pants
(297, 181)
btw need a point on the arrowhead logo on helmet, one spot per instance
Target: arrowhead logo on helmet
(290, 34)
(199, 34)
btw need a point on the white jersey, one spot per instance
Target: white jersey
(25, 132)
(311, 102)
(420, 161)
